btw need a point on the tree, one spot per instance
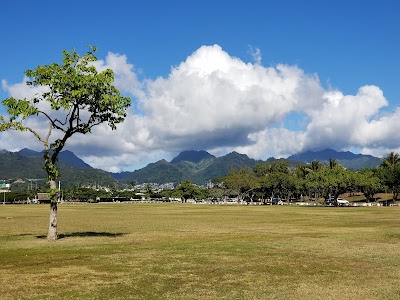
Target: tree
(243, 182)
(76, 98)
(262, 169)
(316, 166)
(389, 172)
(188, 190)
(337, 181)
(148, 189)
(391, 160)
(312, 178)
(278, 183)
(333, 163)
(368, 183)
(301, 171)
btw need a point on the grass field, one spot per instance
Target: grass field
(186, 251)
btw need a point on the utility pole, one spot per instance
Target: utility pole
(59, 190)
(4, 194)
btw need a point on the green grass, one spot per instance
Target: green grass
(185, 251)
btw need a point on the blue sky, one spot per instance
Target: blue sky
(345, 44)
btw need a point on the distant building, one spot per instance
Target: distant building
(19, 181)
(43, 198)
(209, 184)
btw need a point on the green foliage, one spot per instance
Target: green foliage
(368, 183)
(84, 194)
(262, 168)
(216, 192)
(390, 161)
(278, 179)
(9, 197)
(167, 193)
(188, 190)
(333, 163)
(389, 173)
(278, 184)
(52, 194)
(336, 181)
(243, 182)
(123, 194)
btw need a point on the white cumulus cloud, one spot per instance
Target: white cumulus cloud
(255, 54)
(217, 102)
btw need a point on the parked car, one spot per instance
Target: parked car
(276, 201)
(342, 202)
(330, 201)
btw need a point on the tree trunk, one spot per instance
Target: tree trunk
(52, 234)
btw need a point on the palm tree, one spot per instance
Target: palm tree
(301, 171)
(333, 163)
(316, 166)
(391, 160)
(390, 165)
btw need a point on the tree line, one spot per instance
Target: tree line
(267, 180)
(312, 181)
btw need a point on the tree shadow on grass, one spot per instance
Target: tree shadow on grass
(84, 234)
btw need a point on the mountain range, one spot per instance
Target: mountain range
(347, 159)
(200, 166)
(27, 165)
(195, 166)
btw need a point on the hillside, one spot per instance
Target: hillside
(179, 169)
(199, 166)
(158, 172)
(192, 156)
(65, 156)
(196, 166)
(14, 166)
(222, 165)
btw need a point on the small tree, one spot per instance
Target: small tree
(76, 98)
(368, 183)
(188, 190)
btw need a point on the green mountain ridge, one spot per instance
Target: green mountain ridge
(192, 156)
(16, 167)
(198, 167)
(65, 156)
(209, 168)
(198, 172)
(158, 172)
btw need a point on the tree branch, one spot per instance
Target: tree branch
(52, 121)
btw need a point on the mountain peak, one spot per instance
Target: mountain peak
(28, 153)
(192, 156)
(65, 156)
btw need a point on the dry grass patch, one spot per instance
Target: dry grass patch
(177, 251)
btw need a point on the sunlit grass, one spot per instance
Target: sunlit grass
(178, 251)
